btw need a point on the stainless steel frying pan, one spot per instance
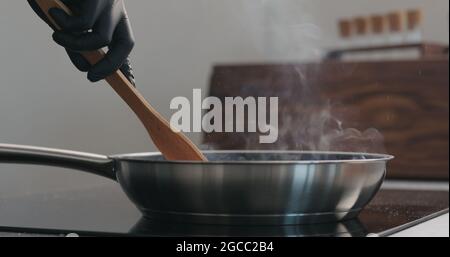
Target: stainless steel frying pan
(234, 187)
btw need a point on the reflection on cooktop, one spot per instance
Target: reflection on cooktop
(150, 228)
(106, 211)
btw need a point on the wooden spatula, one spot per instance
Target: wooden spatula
(174, 146)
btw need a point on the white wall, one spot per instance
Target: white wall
(44, 101)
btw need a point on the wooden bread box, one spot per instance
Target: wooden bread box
(407, 101)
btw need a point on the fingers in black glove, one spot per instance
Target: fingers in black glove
(79, 61)
(95, 25)
(119, 49)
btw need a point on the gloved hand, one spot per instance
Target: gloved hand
(96, 24)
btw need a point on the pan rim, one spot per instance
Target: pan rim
(374, 157)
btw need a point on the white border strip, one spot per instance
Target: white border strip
(415, 185)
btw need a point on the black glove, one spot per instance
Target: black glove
(96, 24)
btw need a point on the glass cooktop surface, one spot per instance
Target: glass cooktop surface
(106, 211)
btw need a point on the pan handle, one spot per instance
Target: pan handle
(93, 163)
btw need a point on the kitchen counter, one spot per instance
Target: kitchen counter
(437, 227)
(105, 210)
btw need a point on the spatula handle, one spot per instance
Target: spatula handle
(117, 80)
(182, 148)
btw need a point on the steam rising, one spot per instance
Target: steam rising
(290, 32)
(309, 124)
(307, 121)
(311, 128)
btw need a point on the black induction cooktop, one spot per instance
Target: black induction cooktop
(106, 211)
